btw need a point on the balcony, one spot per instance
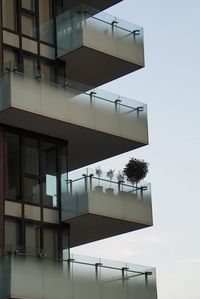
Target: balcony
(100, 5)
(80, 277)
(96, 123)
(98, 208)
(98, 47)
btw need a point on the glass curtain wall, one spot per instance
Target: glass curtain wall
(9, 13)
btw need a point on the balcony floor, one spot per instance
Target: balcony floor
(95, 68)
(90, 145)
(89, 227)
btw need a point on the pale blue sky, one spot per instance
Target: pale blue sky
(170, 85)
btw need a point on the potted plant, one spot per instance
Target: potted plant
(135, 170)
(98, 172)
(110, 174)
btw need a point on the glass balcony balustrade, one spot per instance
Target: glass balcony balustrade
(80, 277)
(98, 47)
(63, 108)
(111, 206)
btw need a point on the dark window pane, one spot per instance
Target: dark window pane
(31, 190)
(28, 25)
(9, 14)
(28, 4)
(50, 242)
(49, 165)
(12, 166)
(12, 234)
(32, 239)
(31, 155)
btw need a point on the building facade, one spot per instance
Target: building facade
(53, 121)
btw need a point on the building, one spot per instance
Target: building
(53, 122)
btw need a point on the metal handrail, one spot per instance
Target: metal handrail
(72, 260)
(116, 102)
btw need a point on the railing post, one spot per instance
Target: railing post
(117, 102)
(92, 94)
(113, 24)
(86, 182)
(97, 265)
(90, 176)
(123, 275)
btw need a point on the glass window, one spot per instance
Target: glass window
(47, 70)
(46, 21)
(32, 239)
(10, 57)
(12, 234)
(31, 155)
(9, 14)
(49, 169)
(50, 242)
(28, 4)
(28, 25)
(31, 190)
(30, 66)
(12, 166)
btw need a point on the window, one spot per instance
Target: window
(31, 190)
(47, 70)
(10, 57)
(50, 239)
(12, 234)
(31, 155)
(28, 4)
(12, 166)
(9, 14)
(29, 25)
(46, 21)
(32, 239)
(30, 66)
(49, 169)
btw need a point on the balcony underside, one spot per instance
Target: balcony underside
(95, 68)
(100, 5)
(89, 227)
(85, 146)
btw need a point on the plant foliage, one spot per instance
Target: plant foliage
(135, 170)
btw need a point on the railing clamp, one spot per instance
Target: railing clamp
(140, 109)
(136, 32)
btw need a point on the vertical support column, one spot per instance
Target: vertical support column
(1, 188)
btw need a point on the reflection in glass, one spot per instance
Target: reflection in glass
(9, 14)
(28, 25)
(49, 168)
(31, 155)
(31, 190)
(12, 166)
(12, 233)
(50, 242)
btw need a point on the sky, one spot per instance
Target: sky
(170, 86)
